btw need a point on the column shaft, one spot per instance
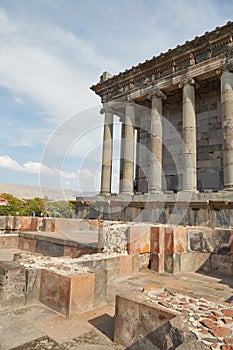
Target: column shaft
(128, 163)
(189, 138)
(122, 155)
(106, 175)
(155, 184)
(227, 127)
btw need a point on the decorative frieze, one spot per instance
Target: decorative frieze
(206, 50)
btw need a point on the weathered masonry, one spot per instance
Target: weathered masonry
(176, 113)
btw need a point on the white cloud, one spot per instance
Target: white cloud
(7, 162)
(48, 65)
(18, 100)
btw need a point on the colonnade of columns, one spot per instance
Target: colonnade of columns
(189, 138)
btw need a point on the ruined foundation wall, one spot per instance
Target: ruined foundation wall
(172, 248)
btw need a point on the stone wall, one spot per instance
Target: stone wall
(209, 136)
(54, 246)
(69, 286)
(172, 248)
(205, 209)
(209, 140)
(15, 224)
(18, 286)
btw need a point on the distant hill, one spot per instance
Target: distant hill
(28, 192)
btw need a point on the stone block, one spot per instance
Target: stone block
(17, 223)
(35, 223)
(138, 239)
(169, 240)
(26, 223)
(84, 225)
(195, 240)
(126, 266)
(73, 252)
(135, 263)
(175, 239)
(2, 222)
(10, 222)
(172, 263)
(82, 291)
(232, 244)
(100, 292)
(152, 320)
(138, 323)
(126, 327)
(221, 264)
(49, 247)
(180, 240)
(28, 244)
(93, 225)
(208, 240)
(69, 295)
(157, 262)
(32, 288)
(186, 263)
(48, 225)
(157, 239)
(157, 249)
(113, 269)
(8, 241)
(201, 262)
(65, 225)
(12, 277)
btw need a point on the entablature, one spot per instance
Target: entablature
(166, 71)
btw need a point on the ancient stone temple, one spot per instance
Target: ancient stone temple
(176, 114)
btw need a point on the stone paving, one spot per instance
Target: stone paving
(63, 265)
(211, 322)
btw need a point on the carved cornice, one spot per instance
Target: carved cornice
(187, 57)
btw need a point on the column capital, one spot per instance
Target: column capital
(191, 81)
(157, 93)
(130, 100)
(106, 108)
(228, 67)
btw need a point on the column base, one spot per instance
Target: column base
(190, 190)
(107, 194)
(155, 192)
(228, 188)
(126, 194)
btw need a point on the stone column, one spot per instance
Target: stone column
(128, 150)
(122, 154)
(106, 175)
(189, 137)
(155, 184)
(227, 125)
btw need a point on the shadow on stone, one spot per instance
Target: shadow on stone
(44, 343)
(105, 324)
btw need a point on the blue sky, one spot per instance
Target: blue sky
(52, 51)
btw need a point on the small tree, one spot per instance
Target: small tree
(15, 206)
(36, 206)
(64, 208)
